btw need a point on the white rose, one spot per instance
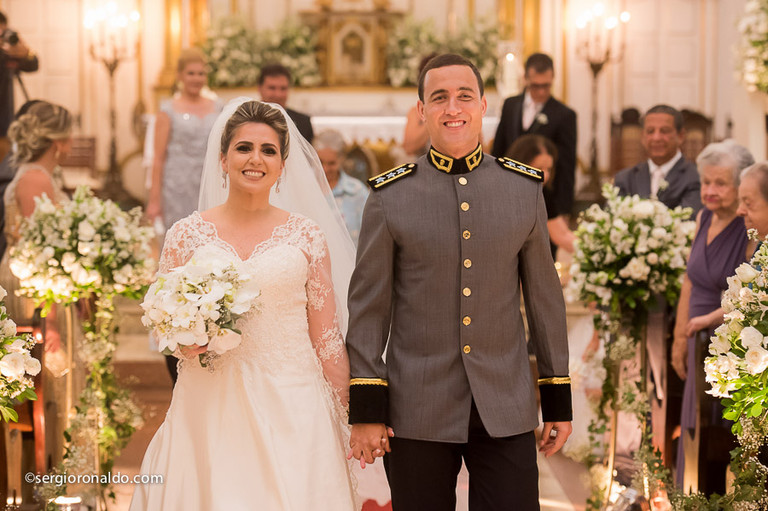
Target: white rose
(85, 231)
(643, 209)
(756, 360)
(652, 258)
(9, 329)
(746, 273)
(32, 365)
(17, 346)
(3, 293)
(12, 365)
(751, 338)
(225, 341)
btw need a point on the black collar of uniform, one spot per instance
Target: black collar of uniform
(449, 165)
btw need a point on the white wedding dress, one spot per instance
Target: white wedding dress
(263, 428)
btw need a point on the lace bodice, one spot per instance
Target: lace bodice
(13, 216)
(295, 327)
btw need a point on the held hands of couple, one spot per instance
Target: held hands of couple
(368, 442)
(550, 444)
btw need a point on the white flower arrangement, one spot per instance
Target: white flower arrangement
(199, 303)
(630, 250)
(413, 40)
(236, 53)
(79, 247)
(16, 366)
(753, 47)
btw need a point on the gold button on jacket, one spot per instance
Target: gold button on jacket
(467, 348)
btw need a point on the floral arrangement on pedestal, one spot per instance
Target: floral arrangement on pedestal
(16, 366)
(90, 250)
(412, 40)
(236, 53)
(628, 253)
(753, 47)
(737, 369)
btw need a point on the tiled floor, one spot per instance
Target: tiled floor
(562, 485)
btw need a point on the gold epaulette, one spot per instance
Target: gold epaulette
(369, 381)
(390, 176)
(555, 380)
(521, 168)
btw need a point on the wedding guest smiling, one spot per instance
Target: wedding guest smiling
(719, 246)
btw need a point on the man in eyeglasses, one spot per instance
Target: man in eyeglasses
(536, 111)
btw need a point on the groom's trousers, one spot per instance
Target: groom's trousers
(503, 474)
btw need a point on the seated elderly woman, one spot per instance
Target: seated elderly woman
(540, 152)
(350, 194)
(719, 246)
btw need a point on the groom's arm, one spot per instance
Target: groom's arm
(370, 310)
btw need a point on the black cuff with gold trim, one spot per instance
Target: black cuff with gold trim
(368, 401)
(556, 399)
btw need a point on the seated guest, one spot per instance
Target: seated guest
(541, 153)
(665, 175)
(719, 246)
(350, 194)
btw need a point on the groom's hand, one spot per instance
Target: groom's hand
(368, 442)
(550, 444)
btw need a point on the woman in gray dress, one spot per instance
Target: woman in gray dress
(181, 137)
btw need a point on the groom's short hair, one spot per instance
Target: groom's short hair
(445, 60)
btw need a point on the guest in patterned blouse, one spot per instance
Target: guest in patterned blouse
(350, 194)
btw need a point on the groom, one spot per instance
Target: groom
(445, 245)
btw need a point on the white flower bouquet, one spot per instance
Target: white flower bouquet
(16, 366)
(199, 303)
(737, 366)
(82, 246)
(630, 250)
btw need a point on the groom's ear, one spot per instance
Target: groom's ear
(420, 110)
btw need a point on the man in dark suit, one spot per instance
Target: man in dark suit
(274, 84)
(536, 111)
(665, 175)
(439, 277)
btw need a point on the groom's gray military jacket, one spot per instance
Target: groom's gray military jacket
(445, 246)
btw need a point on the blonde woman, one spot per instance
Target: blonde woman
(181, 136)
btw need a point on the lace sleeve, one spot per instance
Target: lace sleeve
(323, 322)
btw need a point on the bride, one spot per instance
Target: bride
(262, 426)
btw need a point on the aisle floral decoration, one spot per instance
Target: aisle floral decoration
(737, 370)
(628, 253)
(753, 46)
(90, 250)
(16, 366)
(236, 52)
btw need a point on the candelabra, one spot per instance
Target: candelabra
(595, 42)
(113, 33)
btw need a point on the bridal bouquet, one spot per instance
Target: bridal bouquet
(16, 366)
(82, 246)
(630, 250)
(199, 303)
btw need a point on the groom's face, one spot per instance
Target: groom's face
(452, 109)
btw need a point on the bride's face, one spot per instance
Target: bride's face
(253, 160)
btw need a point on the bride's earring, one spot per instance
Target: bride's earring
(224, 177)
(277, 183)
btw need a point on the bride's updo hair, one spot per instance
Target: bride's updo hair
(258, 112)
(34, 132)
